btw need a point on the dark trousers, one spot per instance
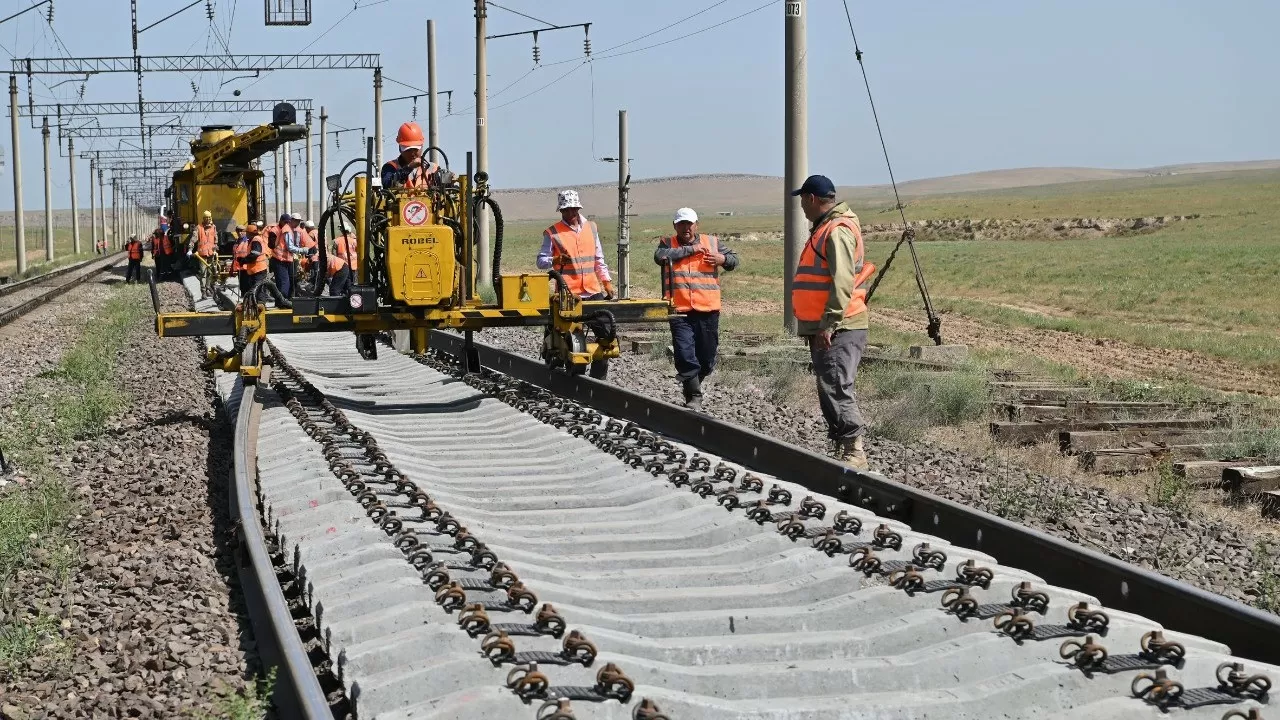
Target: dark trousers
(340, 283)
(283, 272)
(162, 265)
(695, 338)
(133, 271)
(249, 283)
(836, 369)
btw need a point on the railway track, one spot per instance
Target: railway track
(480, 546)
(18, 299)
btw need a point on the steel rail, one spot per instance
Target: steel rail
(297, 692)
(8, 315)
(1251, 633)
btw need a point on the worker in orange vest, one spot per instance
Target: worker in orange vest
(287, 242)
(572, 247)
(829, 300)
(251, 259)
(338, 274)
(204, 245)
(345, 247)
(161, 253)
(409, 168)
(691, 264)
(306, 241)
(134, 249)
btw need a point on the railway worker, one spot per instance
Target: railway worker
(134, 249)
(345, 247)
(287, 237)
(572, 247)
(251, 259)
(338, 273)
(691, 263)
(204, 245)
(408, 169)
(828, 298)
(307, 241)
(161, 253)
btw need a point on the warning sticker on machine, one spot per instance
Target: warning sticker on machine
(422, 274)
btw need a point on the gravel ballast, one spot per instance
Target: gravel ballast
(151, 619)
(1214, 555)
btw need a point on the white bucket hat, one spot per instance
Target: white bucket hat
(685, 215)
(568, 199)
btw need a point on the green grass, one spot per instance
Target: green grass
(252, 703)
(907, 402)
(63, 249)
(22, 639)
(1207, 285)
(70, 403)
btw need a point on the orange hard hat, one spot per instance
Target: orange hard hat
(410, 135)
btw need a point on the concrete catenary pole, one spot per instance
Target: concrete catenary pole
(433, 109)
(624, 224)
(377, 115)
(48, 195)
(115, 216)
(796, 151)
(19, 222)
(75, 203)
(93, 207)
(324, 164)
(482, 141)
(310, 179)
(287, 172)
(275, 186)
(102, 203)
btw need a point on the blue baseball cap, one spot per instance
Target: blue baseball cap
(819, 185)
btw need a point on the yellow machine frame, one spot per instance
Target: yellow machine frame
(411, 288)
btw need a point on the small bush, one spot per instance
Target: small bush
(22, 640)
(1170, 491)
(908, 402)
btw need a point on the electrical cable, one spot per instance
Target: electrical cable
(517, 12)
(934, 328)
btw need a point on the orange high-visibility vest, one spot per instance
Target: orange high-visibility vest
(206, 241)
(335, 264)
(812, 285)
(691, 282)
(574, 254)
(162, 245)
(281, 250)
(135, 249)
(254, 266)
(347, 251)
(419, 176)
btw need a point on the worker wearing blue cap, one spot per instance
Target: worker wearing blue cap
(829, 300)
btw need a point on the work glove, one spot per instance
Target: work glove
(608, 290)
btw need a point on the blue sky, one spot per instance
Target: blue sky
(960, 87)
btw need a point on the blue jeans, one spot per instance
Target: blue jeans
(695, 338)
(283, 272)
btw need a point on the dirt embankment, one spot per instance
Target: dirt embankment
(1110, 358)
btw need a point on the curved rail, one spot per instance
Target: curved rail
(93, 267)
(1251, 633)
(297, 692)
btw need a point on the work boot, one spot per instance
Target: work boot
(693, 394)
(852, 453)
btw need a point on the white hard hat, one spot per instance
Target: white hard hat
(568, 199)
(685, 215)
(308, 224)
(295, 216)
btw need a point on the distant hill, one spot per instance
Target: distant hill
(762, 194)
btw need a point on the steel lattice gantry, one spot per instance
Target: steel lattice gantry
(131, 131)
(200, 63)
(203, 107)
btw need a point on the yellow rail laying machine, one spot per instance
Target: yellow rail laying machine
(417, 265)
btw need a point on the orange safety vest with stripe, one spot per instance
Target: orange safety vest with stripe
(162, 245)
(347, 250)
(692, 283)
(307, 241)
(135, 249)
(256, 265)
(206, 241)
(573, 253)
(812, 285)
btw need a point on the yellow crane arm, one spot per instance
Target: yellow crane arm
(242, 148)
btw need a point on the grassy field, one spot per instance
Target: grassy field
(1207, 285)
(62, 249)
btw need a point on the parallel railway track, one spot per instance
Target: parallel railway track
(18, 299)
(451, 533)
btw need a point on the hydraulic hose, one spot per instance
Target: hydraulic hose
(497, 239)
